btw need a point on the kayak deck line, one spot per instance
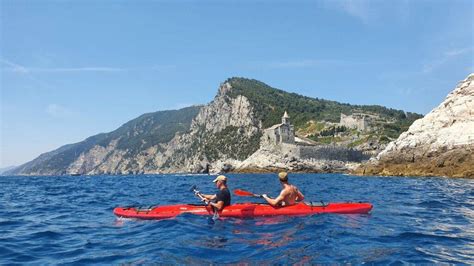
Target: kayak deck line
(243, 210)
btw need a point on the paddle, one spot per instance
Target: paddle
(198, 194)
(243, 193)
(215, 216)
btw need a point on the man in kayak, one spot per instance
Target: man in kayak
(289, 195)
(222, 198)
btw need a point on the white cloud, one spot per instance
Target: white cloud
(58, 111)
(445, 58)
(17, 68)
(406, 91)
(459, 51)
(77, 69)
(370, 11)
(14, 67)
(431, 66)
(359, 9)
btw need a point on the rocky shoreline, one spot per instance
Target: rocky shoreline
(454, 164)
(440, 144)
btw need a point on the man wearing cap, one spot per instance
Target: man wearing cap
(222, 198)
(289, 194)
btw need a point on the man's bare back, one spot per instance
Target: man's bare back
(289, 195)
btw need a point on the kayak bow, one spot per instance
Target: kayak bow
(243, 210)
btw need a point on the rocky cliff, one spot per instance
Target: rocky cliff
(119, 151)
(220, 136)
(440, 144)
(225, 131)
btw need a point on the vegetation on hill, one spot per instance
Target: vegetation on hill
(318, 119)
(271, 103)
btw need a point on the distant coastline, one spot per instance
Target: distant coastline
(251, 127)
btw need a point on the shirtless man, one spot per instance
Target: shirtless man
(289, 195)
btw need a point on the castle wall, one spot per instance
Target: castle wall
(290, 149)
(326, 152)
(352, 121)
(321, 152)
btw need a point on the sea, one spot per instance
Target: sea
(69, 220)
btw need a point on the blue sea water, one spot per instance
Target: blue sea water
(69, 220)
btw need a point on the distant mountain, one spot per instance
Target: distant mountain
(5, 169)
(148, 130)
(224, 132)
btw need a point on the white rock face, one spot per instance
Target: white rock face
(224, 111)
(86, 162)
(448, 126)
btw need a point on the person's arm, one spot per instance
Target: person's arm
(277, 201)
(219, 201)
(205, 198)
(300, 196)
(219, 205)
(209, 197)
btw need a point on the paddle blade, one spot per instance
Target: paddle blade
(243, 193)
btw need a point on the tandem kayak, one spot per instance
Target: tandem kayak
(243, 210)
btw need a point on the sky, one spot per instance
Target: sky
(72, 69)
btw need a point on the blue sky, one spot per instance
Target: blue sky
(72, 69)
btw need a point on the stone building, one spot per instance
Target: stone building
(280, 133)
(281, 139)
(357, 121)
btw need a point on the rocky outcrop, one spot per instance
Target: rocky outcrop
(224, 132)
(271, 160)
(440, 144)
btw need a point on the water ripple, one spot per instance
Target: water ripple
(69, 220)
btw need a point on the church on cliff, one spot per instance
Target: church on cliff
(280, 133)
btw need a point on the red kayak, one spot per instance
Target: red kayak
(242, 210)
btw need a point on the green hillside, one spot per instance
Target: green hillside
(314, 115)
(271, 103)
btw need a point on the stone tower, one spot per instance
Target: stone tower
(285, 119)
(286, 130)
